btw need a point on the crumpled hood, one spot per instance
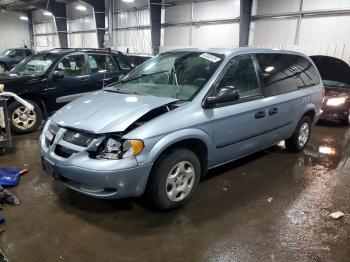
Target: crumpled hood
(105, 112)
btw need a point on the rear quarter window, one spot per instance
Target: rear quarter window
(284, 73)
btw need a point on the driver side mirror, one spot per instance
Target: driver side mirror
(226, 94)
(57, 75)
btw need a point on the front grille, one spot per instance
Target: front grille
(78, 138)
(63, 151)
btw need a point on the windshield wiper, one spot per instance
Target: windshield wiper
(141, 76)
(120, 91)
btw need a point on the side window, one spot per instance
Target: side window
(242, 75)
(284, 73)
(123, 64)
(100, 63)
(73, 65)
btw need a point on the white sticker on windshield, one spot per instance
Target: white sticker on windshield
(211, 58)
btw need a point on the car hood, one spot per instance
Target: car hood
(106, 112)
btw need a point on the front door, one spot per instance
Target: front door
(238, 125)
(72, 85)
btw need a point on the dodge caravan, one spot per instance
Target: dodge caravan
(158, 130)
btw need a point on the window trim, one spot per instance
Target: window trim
(212, 90)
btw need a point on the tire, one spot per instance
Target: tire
(24, 125)
(3, 68)
(165, 190)
(295, 143)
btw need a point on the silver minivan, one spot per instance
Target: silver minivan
(157, 131)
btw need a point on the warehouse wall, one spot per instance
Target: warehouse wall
(11, 25)
(136, 39)
(326, 34)
(199, 34)
(45, 31)
(81, 26)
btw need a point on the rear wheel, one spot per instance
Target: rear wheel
(3, 68)
(23, 120)
(173, 179)
(298, 141)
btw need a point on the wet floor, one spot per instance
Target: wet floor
(272, 206)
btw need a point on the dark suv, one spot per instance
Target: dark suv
(53, 78)
(11, 57)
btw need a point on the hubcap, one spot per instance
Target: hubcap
(180, 181)
(23, 118)
(303, 134)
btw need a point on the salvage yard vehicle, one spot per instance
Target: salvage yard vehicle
(160, 129)
(11, 57)
(335, 74)
(138, 59)
(50, 79)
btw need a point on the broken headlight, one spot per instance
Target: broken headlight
(116, 149)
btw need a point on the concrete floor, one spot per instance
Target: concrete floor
(229, 219)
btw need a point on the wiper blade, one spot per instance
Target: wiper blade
(142, 75)
(118, 90)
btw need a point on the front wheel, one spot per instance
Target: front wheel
(173, 179)
(23, 120)
(298, 141)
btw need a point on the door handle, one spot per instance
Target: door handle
(273, 111)
(260, 114)
(84, 79)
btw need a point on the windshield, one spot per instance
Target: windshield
(175, 75)
(36, 65)
(331, 83)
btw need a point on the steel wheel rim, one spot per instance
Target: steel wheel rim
(180, 181)
(23, 118)
(303, 134)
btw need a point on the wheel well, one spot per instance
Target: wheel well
(4, 64)
(311, 114)
(195, 145)
(37, 100)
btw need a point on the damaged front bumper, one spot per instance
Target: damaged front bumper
(100, 178)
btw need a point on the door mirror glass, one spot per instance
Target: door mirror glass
(225, 95)
(57, 75)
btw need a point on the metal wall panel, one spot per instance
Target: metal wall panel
(10, 23)
(325, 30)
(216, 9)
(262, 7)
(217, 35)
(273, 31)
(325, 4)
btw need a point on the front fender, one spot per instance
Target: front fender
(151, 153)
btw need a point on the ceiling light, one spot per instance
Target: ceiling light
(47, 13)
(128, 1)
(25, 18)
(80, 8)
